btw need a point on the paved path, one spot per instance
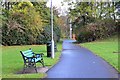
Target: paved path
(78, 62)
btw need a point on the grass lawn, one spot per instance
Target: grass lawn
(107, 49)
(12, 60)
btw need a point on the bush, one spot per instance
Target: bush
(98, 30)
(23, 26)
(47, 34)
(14, 36)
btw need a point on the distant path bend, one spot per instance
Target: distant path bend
(78, 62)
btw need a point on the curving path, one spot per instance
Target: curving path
(78, 62)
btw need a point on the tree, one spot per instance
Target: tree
(91, 18)
(23, 25)
(28, 23)
(43, 10)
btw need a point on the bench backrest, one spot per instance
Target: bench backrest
(27, 53)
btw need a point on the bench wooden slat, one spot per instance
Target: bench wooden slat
(28, 51)
(28, 54)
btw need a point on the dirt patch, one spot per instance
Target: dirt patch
(32, 70)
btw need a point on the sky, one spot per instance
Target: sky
(57, 3)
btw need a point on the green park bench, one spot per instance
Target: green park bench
(30, 59)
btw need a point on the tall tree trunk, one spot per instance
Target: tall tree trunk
(101, 10)
(113, 9)
(109, 10)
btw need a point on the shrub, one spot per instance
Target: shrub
(98, 30)
(23, 25)
(47, 33)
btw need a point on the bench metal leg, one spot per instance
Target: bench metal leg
(42, 62)
(36, 70)
(23, 71)
(25, 66)
(34, 65)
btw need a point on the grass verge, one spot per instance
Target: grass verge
(106, 49)
(12, 61)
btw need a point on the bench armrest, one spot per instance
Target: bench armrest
(38, 54)
(41, 54)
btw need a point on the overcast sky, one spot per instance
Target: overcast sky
(57, 3)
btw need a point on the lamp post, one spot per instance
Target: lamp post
(52, 48)
(70, 29)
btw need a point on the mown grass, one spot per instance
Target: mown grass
(107, 49)
(12, 61)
